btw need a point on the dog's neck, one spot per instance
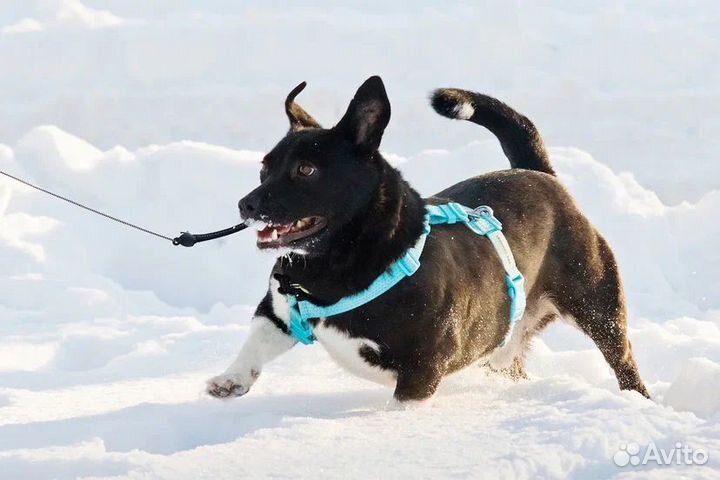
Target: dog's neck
(366, 246)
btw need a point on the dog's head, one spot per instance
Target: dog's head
(317, 180)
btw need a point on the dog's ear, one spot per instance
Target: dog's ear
(299, 118)
(367, 116)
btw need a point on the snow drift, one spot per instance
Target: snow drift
(108, 335)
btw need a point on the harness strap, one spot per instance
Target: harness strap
(480, 220)
(303, 310)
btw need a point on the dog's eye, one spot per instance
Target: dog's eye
(305, 169)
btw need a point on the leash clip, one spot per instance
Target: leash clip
(297, 286)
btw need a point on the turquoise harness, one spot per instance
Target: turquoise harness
(479, 220)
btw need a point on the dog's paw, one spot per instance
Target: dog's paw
(501, 358)
(227, 386)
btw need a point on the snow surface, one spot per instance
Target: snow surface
(63, 14)
(107, 336)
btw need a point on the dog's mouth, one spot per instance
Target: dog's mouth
(274, 235)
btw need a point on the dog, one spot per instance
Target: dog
(338, 215)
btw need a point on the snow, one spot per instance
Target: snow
(64, 14)
(159, 112)
(697, 375)
(50, 144)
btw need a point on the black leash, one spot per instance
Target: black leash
(186, 239)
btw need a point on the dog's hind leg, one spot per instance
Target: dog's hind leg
(594, 298)
(608, 329)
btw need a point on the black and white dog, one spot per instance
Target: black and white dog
(339, 215)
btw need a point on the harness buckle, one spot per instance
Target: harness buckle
(298, 326)
(452, 213)
(512, 284)
(485, 213)
(302, 331)
(516, 290)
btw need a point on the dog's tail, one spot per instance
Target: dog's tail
(518, 137)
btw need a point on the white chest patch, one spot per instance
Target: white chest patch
(342, 348)
(280, 306)
(346, 352)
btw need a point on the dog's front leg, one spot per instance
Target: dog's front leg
(266, 341)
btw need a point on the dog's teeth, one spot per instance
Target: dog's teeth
(274, 235)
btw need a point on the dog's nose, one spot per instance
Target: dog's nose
(247, 206)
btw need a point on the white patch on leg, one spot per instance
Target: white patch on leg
(502, 357)
(228, 386)
(345, 350)
(463, 111)
(264, 343)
